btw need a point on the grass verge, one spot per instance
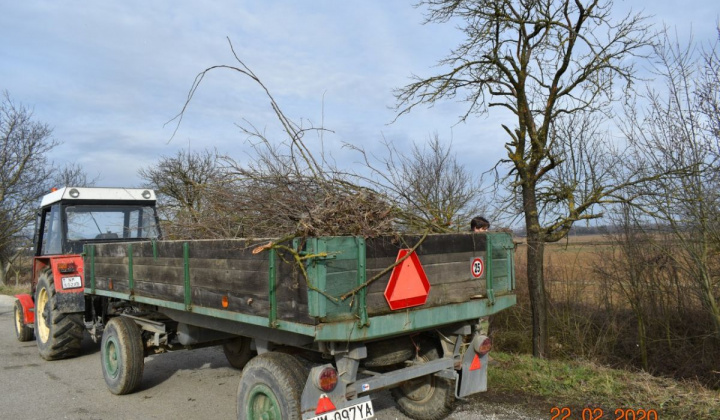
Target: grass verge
(14, 290)
(543, 384)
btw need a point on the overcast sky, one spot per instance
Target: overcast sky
(107, 75)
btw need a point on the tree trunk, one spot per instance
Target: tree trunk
(3, 272)
(642, 338)
(535, 268)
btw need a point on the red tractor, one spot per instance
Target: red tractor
(57, 311)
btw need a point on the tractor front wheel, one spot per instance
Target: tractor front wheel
(23, 332)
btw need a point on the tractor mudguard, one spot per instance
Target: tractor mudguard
(28, 308)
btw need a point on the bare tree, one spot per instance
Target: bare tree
(539, 61)
(679, 128)
(73, 175)
(23, 176)
(433, 190)
(192, 190)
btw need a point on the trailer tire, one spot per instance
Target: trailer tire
(58, 335)
(238, 352)
(428, 397)
(23, 332)
(122, 355)
(270, 388)
(388, 352)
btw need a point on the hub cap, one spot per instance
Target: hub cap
(111, 354)
(42, 313)
(262, 404)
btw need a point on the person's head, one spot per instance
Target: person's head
(479, 224)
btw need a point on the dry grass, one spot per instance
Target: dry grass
(569, 267)
(12, 290)
(581, 384)
(591, 317)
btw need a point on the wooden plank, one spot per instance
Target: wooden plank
(235, 280)
(111, 270)
(433, 244)
(118, 284)
(162, 275)
(210, 263)
(439, 295)
(169, 292)
(237, 302)
(289, 310)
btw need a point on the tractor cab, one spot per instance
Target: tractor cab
(68, 219)
(73, 216)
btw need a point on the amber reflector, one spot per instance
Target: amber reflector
(225, 301)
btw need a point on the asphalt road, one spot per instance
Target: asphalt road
(197, 384)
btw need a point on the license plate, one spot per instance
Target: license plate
(361, 411)
(71, 282)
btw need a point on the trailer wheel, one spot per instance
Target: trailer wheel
(238, 352)
(270, 388)
(58, 334)
(388, 352)
(23, 332)
(427, 397)
(122, 356)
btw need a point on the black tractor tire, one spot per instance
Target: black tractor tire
(428, 397)
(122, 355)
(388, 352)
(270, 388)
(23, 332)
(238, 352)
(58, 334)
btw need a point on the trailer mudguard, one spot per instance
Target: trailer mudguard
(473, 377)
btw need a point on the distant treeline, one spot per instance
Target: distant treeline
(604, 230)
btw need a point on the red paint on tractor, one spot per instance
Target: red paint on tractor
(28, 308)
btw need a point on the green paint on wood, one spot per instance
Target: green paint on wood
(361, 277)
(489, 255)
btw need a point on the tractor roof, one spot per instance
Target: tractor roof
(99, 194)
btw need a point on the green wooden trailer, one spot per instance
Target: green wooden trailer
(316, 324)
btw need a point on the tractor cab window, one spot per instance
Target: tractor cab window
(88, 222)
(52, 231)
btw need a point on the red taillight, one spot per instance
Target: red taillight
(66, 267)
(327, 379)
(482, 345)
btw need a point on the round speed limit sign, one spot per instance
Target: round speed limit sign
(477, 267)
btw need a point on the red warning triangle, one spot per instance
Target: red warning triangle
(476, 363)
(408, 285)
(324, 405)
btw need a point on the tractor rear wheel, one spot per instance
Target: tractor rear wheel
(58, 334)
